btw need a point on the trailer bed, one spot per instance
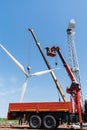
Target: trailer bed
(39, 107)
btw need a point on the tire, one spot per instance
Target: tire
(49, 122)
(35, 122)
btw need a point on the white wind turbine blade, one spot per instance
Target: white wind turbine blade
(24, 86)
(14, 60)
(43, 72)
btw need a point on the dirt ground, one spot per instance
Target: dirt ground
(13, 127)
(26, 127)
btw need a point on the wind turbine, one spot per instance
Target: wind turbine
(27, 74)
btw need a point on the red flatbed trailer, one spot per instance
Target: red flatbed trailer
(40, 112)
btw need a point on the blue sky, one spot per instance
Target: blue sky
(49, 19)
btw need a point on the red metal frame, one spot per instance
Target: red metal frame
(40, 107)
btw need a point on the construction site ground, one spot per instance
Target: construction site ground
(26, 127)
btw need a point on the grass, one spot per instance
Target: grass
(5, 121)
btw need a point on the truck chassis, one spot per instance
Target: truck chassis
(41, 114)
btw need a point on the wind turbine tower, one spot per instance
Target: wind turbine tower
(72, 51)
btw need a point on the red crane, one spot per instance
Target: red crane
(74, 89)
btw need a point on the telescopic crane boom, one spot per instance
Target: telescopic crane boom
(49, 67)
(74, 89)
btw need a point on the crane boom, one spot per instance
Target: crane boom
(49, 67)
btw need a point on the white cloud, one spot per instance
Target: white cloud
(10, 79)
(2, 80)
(8, 85)
(13, 80)
(9, 92)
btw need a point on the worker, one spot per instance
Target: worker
(20, 120)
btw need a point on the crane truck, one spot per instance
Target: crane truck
(49, 115)
(42, 114)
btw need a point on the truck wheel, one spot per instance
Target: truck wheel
(49, 122)
(35, 121)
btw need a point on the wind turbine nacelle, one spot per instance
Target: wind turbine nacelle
(71, 24)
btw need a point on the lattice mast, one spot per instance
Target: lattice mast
(72, 51)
